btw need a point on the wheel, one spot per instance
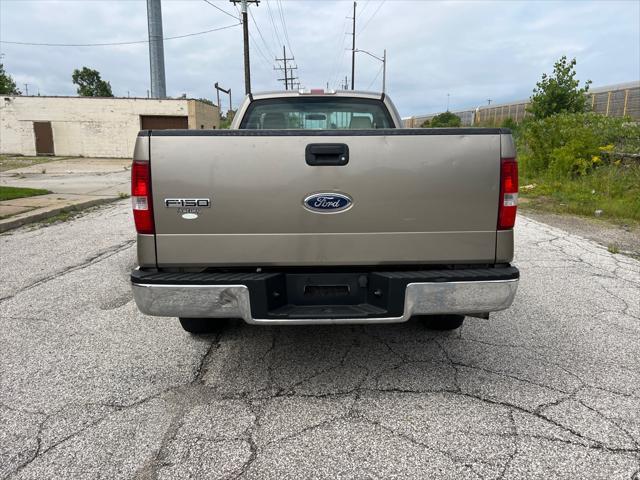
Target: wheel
(443, 322)
(198, 326)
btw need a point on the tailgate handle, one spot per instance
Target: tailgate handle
(335, 154)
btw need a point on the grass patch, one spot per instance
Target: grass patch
(612, 248)
(63, 216)
(612, 189)
(8, 162)
(11, 193)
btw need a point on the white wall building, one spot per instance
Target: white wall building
(92, 126)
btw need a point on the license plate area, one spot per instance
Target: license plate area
(319, 291)
(326, 288)
(326, 295)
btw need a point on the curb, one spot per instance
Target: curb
(34, 216)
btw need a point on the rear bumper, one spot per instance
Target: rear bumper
(476, 291)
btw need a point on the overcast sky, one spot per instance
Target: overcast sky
(472, 50)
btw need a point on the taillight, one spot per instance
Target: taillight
(508, 193)
(141, 197)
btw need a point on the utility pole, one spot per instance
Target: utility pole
(447, 102)
(26, 89)
(228, 92)
(286, 69)
(353, 48)
(245, 37)
(156, 49)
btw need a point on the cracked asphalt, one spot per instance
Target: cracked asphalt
(91, 388)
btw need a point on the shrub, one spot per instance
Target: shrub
(446, 119)
(509, 123)
(571, 144)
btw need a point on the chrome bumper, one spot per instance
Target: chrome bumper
(232, 301)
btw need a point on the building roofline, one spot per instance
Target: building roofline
(102, 98)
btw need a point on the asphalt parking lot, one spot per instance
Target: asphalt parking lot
(91, 388)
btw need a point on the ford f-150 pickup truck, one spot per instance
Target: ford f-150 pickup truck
(317, 207)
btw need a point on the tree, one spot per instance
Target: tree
(560, 92)
(446, 119)
(7, 85)
(90, 84)
(227, 119)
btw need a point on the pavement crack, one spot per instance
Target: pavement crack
(597, 443)
(514, 453)
(248, 436)
(98, 257)
(454, 365)
(201, 369)
(151, 469)
(612, 422)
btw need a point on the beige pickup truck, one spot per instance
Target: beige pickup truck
(318, 207)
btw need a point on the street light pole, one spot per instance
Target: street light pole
(384, 71)
(384, 65)
(353, 49)
(228, 92)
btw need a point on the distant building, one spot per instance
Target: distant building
(92, 126)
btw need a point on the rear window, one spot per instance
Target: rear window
(316, 113)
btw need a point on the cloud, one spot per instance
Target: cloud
(471, 50)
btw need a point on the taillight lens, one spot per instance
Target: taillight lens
(508, 193)
(141, 197)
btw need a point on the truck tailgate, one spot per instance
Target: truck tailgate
(418, 197)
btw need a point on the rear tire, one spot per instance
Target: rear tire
(200, 326)
(442, 322)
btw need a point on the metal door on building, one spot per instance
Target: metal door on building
(44, 138)
(163, 122)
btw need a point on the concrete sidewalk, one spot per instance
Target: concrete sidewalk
(75, 184)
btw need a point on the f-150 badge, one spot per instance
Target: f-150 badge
(187, 202)
(327, 202)
(188, 208)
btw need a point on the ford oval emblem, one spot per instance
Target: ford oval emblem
(327, 202)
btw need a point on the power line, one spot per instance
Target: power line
(34, 44)
(339, 60)
(286, 33)
(268, 49)
(265, 44)
(273, 23)
(284, 26)
(375, 78)
(366, 4)
(371, 17)
(255, 44)
(221, 9)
